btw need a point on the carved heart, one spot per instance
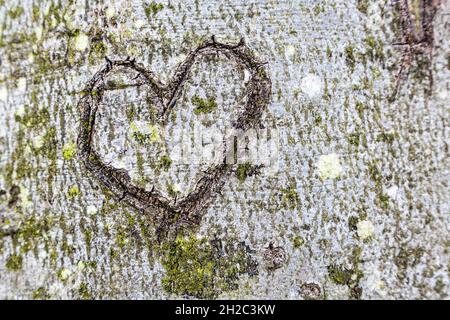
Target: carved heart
(187, 211)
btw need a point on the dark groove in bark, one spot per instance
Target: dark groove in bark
(416, 41)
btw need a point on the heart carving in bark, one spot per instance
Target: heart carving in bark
(170, 214)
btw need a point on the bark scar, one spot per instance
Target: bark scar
(171, 214)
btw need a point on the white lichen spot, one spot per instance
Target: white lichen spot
(46, 10)
(177, 59)
(381, 287)
(443, 94)
(42, 254)
(253, 24)
(81, 265)
(123, 32)
(135, 177)
(289, 50)
(138, 24)
(53, 22)
(69, 150)
(392, 192)
(247, 75)
(365, 229)
(70, 21)
(64, 274)
(329, 166)
(38, 142)
(120, 163)
(3, 93)
(81, 42)
(311, 85)
(154, 133)
(73, 18)
(20, 112)
(30, 58)
(38, 32)
(24, 197)
(175, 187)
(135, 126)
(110, 12)
(374, 282)
(91, 210)
(133, 50)
(22, 84)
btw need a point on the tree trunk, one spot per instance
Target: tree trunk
(100, 196)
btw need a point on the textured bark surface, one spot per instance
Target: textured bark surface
(356, 205)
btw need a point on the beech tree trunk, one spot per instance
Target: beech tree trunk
(353, 204)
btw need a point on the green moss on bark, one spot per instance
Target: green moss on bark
(203, 105)
(203, 269)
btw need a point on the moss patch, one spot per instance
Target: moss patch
(14, 262)
(350, 57)
(203, 269)
(339, 274)
(374, 48)
(362, 6)
(84, 291)
(243, 171)
(165, 162)
(16, 12)
(172, 189)
(41, 294)
(32, 231)
(203, 105)
(298, 242)
(354, 139)
(152, 9)
(69, 151)
(33, 118)
(73, 192)
(97, 52)
(349, 277)
(290, 198)
(389, 138)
